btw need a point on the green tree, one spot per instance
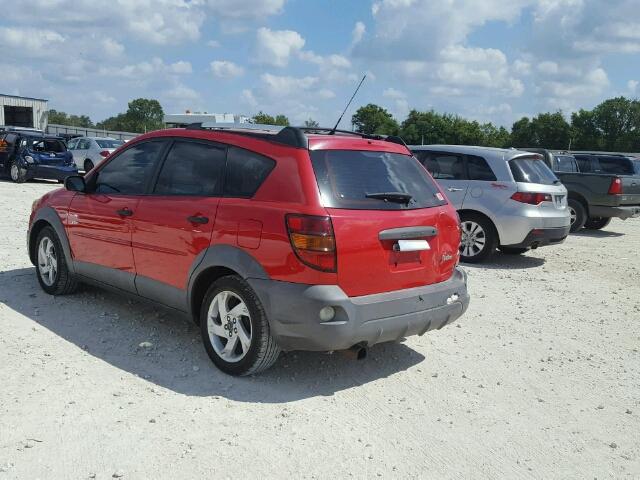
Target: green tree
(62, 118)
(266, 119)
(145, 115)
(547, 130)
(585, 134)
(373, 119)
(311, 123)
(494, 136)
(618, 121)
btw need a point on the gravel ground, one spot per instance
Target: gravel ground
(540, 379)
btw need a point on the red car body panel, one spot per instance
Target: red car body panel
(158, 242)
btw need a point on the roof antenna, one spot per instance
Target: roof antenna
(333, 130)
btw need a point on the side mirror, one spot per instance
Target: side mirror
(75, 183)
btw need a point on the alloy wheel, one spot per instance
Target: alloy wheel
(15, 173)
(573, 214)
(47, 261)
(229, 326)
(473, 240)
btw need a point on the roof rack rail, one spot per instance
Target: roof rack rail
(291, 136)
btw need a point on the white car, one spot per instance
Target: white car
(90, 151)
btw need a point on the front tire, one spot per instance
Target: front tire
(578, 215)
(17, 173)
(51, 266)
(479, 238)
(597, 223)
(235, 330)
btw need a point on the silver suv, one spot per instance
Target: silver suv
(506, 199)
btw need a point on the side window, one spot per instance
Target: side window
(584, 163)
(129, 172)
(71, 145)
(192, 169)
(245, 172)
(479, 169)
(445, 166)
(615, 165)
(565, 163)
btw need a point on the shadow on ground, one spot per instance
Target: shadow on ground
(503, 261)
(111, 328)
(597, 233)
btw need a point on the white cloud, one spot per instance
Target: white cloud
(281, 86)
(143, 70)
(213, 44)
(326, 94)
(358, 32)
(248, 98)
(393, 94)
(275, 47)
(33, 42)
(226, 69)
(632, 85)
(181, 93)
(112, 48)
(245, 8)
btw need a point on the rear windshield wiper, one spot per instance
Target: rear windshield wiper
(398, 197)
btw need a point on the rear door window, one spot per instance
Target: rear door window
(245, 172)
(584, 163)
(479, 169)
(365, 180)
(532, 170)
(445, 166)
(193, 169)
(109, 143)
(129, 172)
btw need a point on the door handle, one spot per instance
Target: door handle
(124, 212)
(453, 189)
(196, 219)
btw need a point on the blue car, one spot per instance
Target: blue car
(25, 155)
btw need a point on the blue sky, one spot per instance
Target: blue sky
(494, 60)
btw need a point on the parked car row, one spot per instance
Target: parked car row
(283, 238)
(27, 153)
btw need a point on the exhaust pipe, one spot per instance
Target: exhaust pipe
(356, 352)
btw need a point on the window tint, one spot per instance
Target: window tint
(47, 145)
(346, 177)
(192, 169)
(109, 143)
(10, 138)
(584, 163)
(128, 172)
(445, 166)
(72, 144)
(565, 163)
(245, 172)
(532, 170)
(636, 167)
(614, 165)
(479, 169)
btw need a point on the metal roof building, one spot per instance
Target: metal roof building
(23, 111)
(183, 119)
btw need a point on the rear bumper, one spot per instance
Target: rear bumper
(293, 312)
(541, 237)
(51, 172)
(617, 212)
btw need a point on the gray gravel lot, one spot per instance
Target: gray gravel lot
(540, 379)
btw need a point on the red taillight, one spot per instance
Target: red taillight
(531, 198)
(104, 153)
(616, 186)
(313, 241)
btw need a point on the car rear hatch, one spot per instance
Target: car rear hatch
(393, 227)
(540, 189)
(50, 152)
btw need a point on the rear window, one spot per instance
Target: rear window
(532, 170)
(614, 165)
(565, 163)
(46, 145)
(109, 143)
(636, 166)
(348, 179)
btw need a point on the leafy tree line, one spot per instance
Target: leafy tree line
(614, 125)
(142, 115)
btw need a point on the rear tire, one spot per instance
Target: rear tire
(578, 215)
(51, 265)
(479, 238)
(513, 250)
(596, 223)
(17, 173)
(233, 316)
(88, 165)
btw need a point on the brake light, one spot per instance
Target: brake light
(616, 186)
(313, 241)
(104, 153)
(531, 198)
